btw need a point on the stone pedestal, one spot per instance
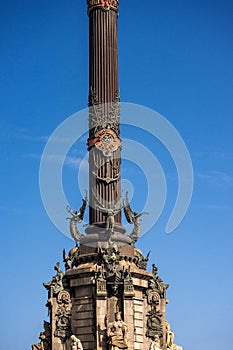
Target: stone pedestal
(110, 286)
(106, 297)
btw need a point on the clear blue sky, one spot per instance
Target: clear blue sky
(176, 57)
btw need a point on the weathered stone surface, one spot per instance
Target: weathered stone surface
(91, 312)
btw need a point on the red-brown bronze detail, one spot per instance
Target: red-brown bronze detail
(106, 141)
(104, 5)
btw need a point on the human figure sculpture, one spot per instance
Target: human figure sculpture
(169, 336)
(110, 214)
(170, 339)
(155, 343)
(117, 333)
(110, 221)
(73, 224)
(133, 217)
(75, 343)
(76, 217)
(135, 234)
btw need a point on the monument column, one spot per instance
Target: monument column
(106, 299)
(104, 134)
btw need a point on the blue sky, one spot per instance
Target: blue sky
(174, 57)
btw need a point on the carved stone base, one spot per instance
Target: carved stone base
(97, 235)
(107, 297)
(108, 282)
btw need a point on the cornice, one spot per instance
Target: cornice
(104, 5)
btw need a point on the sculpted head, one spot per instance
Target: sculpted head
(118, 316)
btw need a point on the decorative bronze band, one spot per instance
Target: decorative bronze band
(104, 5)
(106, 140)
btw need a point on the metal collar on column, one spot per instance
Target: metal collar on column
(104, 5)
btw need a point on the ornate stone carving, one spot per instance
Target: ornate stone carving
(57, 282)
(45, 338)
(117, 333)
(111, 278)
(70, 259)
(153, 298)
(114, 278)
(155, 292)
(133, 217)
(76, 217)
(128, 282)
(63, 316)
(103, 116)
(75, 343)
(100, 278)
(141, 262)
(108, 276)
(154, 324)
(109, 255)
(156, 283)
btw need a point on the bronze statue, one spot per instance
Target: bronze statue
(117, 333)
(77, 217)
(110, 216)
(133, 217)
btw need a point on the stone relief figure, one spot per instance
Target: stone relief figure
(63, 316)
(155, 343)
(56, 284)
(117, 333)
(141, 260)
(157, 284)
(133, 217)
(170, 339)
(154, 324)
(110, 255)
(75, 343)
(76, 217)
